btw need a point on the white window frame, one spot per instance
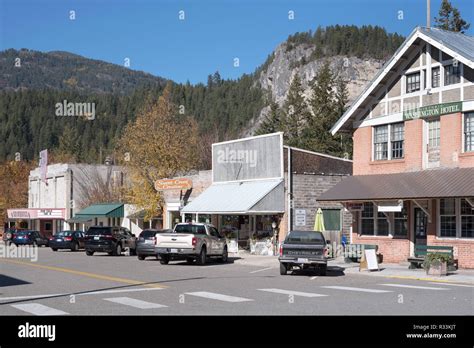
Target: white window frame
(463, 128)
(457, 205)
(389, 143)
(390, 217)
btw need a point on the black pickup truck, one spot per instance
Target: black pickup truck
(303, 249)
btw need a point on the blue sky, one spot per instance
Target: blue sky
(213, 33)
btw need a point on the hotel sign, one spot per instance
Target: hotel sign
(432, 110)
(173, 184)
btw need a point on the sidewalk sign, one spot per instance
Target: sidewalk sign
(371, 258)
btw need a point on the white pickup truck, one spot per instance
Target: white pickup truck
(191, 241)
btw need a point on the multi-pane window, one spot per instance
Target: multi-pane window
(382, 225)
(367, 219)
(397, 137)
(452, 74)
(434, 133)
(467, 219)
(381, 142)
(435, 77)
(447, 212)
(400, 224)
(469, 131)
(413, 82)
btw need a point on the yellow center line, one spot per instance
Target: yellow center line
(430, 279)
(86, 274)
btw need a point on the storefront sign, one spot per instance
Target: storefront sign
(300, 217)
(354, 206)
(432, 110)
(173, 184)
(33, 213)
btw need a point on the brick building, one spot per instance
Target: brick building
(413, 133)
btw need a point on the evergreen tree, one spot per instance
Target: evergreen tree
(273, 120)
(295, 111)
(450, 18)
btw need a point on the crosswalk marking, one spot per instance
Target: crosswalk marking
(463, 285)
(128, 301)
(414, 286)
(38, 309)
(349, 288)
(291, 292)
(220, 297)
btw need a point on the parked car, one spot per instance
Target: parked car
(303, 249)
(10, 234)
(146, 243)
(73, 240)
(112, 240)
(191, 241)
(28, 237)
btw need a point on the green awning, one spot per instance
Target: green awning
(102, 210)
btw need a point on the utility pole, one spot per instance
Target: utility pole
(428, 14)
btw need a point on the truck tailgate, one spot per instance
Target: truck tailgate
(174, 240)
(303, 250)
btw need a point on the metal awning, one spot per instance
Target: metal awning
(102, 210)
(79, 220)
(435, 183)
(246, 197)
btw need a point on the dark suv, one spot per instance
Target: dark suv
(112, 240)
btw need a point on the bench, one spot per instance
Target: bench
(422, 250)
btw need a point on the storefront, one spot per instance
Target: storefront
(101, 214)
(47, 221)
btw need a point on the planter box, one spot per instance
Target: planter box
(261, 247)
(232, 246)
(438, 269)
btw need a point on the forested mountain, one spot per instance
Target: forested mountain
(28, 69)
(224, 109)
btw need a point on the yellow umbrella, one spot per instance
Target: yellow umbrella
(319, 221)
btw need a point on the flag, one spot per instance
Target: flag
(43, 155)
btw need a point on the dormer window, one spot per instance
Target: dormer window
(413, 82)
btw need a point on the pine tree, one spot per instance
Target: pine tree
(273, 121)
(450, 18)
(295, 111)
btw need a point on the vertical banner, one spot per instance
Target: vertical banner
(43, 165)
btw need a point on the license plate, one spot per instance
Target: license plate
(58, 240)
(173, 250)
(96, 238)
(302, 260)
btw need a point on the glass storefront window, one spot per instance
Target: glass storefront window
(204, 218)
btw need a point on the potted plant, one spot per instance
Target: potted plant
(436, 264)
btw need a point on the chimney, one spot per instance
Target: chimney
(428, 14)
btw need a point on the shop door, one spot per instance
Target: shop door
(433, 143)
(46, 228)
(421, 225)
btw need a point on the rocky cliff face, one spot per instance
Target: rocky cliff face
(278, 74)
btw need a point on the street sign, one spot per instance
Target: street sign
(300, 217)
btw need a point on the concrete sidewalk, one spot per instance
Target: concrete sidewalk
(388, 270)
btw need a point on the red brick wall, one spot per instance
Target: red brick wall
(451, 148)
(463, 250)
(394, 250)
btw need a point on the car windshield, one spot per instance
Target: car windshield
(305, 237)
(148, 233)
(63, 234)
(193, 229)
(98, 231)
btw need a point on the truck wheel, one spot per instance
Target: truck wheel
(225, 256)
(323, 270)
(202, 256)
(118, 250)
(283, 269)
(89, 252)
(164, 260)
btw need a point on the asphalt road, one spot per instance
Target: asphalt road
(71, 283)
